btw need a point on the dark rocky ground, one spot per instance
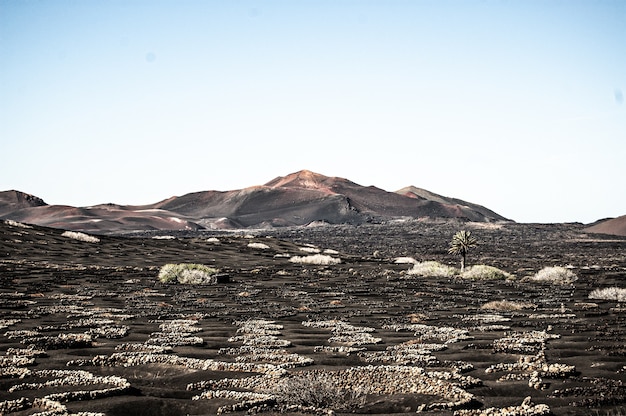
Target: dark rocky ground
(107, 297)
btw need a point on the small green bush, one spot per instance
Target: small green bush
(432, 269)
(483, 272)
(187, 273)
(555, 275)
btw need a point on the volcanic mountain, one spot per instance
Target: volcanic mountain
(297, 199)
(15, 200)
(613, 226)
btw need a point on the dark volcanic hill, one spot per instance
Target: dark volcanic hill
(14, 200)
(297, 199)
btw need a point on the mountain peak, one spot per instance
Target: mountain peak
(303, 179)
(21, 198)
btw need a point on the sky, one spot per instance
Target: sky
(515, 105)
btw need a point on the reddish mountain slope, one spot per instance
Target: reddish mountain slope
(97, 219)
(613, 226)
(296, 199)
(451, 203)
(303, 197)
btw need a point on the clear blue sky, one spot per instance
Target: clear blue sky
(515, 105)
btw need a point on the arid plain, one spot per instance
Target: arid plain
(88, 327)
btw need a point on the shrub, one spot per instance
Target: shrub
(507, 305)
(405, 260)
(555, 275)
(258, 245)
(310, 249)
(317, 393)
(16, 224)
(321, 259)
(483, 272)
(187, 273)
(81, 237)
(432, 269)
(610, 293)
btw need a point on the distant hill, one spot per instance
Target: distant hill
(14, 200)
(419, 193)
(297, 199)
(22, 207)
(612, 226)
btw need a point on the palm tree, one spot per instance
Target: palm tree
(461, 242)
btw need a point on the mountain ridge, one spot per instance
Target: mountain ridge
(297, 199)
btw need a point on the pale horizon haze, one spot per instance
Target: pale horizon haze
(514, 105)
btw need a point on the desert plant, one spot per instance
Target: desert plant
(432, 269)
(507, 305)
(260, 246)
(310, 249)
(320, 259)
(483, 272)
(187, 273)
(16, 224)
(405, 260)
(461, 242)
(81, 237)
(317, 393)
(555, 275)
(610, 293)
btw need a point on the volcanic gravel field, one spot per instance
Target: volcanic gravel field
(88, 327)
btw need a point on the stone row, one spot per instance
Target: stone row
(139, 347)
(81, 323)
(534, 367)
(70, 378)
(60, 341)
(5, 323)
(342, 349)
(176, 333)
(423, 332)
(530, 342)
(379, 380)
(280, 358)
(400, 357)
(262, 345)
(52, 403)
(21, 333)
(130, 359)
(525, 409)
(109, 332)
(485, 318)
(261, 341)
(345, 333)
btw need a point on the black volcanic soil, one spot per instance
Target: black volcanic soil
(52, 285)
